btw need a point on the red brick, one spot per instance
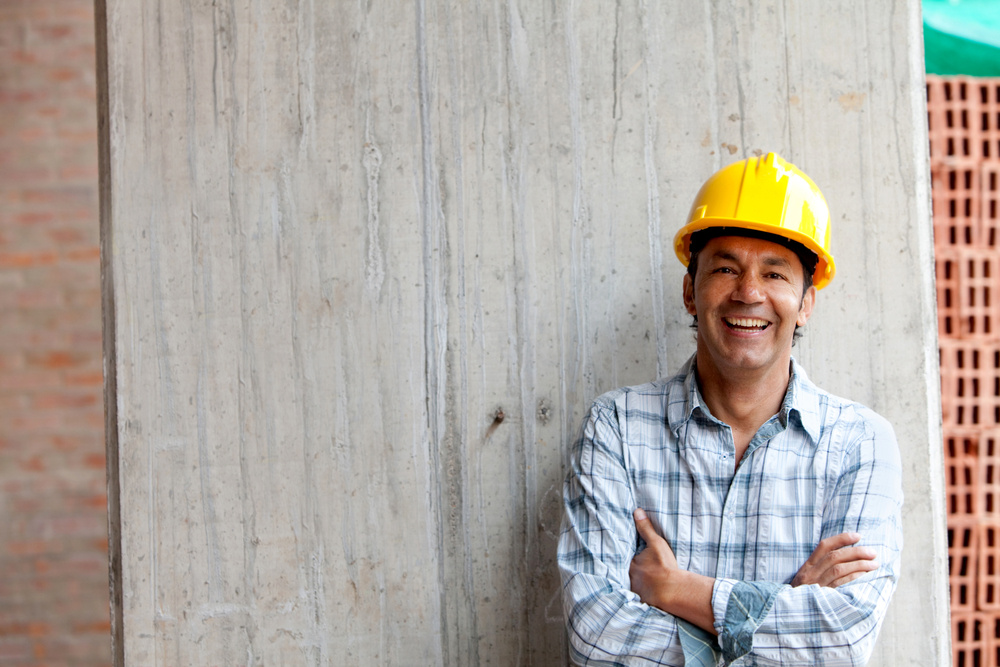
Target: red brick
(57, 359)
(94, 379)
(96, 461)
(35, 218)
(51, 444)
(25, 259)
(63, 400)
(75, 173)
(103, 627)
(92, 255)
(29, 548)
(97, 502)
(14, 648)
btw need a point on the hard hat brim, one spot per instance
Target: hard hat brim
(825, 266)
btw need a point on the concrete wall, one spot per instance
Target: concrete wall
(367, 264)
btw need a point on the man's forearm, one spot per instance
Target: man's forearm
(658, 580)
(689, 597)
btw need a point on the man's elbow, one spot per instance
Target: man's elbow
(586, 623)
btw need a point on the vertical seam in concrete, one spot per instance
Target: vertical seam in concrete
(788, 113)
(518, 71)
(578, 264)
(109, 337)
(653, 205)
(432, 345)
(305, 64)
(461, 414)
(713, 94)
(371, 160)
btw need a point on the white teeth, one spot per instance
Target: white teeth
(746, 322)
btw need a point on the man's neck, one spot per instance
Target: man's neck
(743, 400)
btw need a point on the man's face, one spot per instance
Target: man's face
(747, 296)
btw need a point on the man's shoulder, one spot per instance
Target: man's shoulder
(642, 397)
(844, 415)
(826, 413)
(845, 408)
(652, 388)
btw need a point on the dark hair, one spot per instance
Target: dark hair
(807, 257)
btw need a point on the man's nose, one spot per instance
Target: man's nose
(749, 288)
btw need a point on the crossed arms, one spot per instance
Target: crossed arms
(630, 606)
(660, 582)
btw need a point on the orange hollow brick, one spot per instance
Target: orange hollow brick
(962, 554)
(991, 629)
(978, 292)
(962, 473)
(989, 207)
(956, 194)
(951, 114)
(988, 567)
(988, 470)
(988, 91)
(947, 269)
(970, 642)
(961, 365)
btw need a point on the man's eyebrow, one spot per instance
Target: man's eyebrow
(770, 260)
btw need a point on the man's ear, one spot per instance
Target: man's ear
(689, 295)
(806, 307)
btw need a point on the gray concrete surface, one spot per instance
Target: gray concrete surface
(366, 264)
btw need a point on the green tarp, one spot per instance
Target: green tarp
(962, 37)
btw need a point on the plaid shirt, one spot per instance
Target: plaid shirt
(821, 466)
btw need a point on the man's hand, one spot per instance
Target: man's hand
(835, 562)
(660, 583)
(650, 570)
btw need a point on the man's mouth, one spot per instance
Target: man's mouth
(746, 323)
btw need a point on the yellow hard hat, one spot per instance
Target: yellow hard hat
(765, 194)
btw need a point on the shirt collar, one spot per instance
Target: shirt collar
(801, 400)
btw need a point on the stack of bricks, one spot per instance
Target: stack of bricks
(53, 536)
(964, 123)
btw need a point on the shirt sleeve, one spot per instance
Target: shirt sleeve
(779, 624)
(607, 623)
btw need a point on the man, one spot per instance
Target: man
(735, 513)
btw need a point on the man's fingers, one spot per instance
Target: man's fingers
(836, 542)
(836, 547)
(644, 526)
(847, 572)
(835, 562)
(848, 554)
(833, 573)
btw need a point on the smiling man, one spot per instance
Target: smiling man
(735, 513)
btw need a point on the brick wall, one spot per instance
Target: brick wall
(53, 517)
(964, 123)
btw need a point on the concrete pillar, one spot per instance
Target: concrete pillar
(367, 263)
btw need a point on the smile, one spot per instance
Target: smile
(746, 323)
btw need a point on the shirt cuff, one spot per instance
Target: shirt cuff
(721, 591)
(741, 606)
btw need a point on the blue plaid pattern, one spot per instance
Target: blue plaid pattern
(821, 466)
